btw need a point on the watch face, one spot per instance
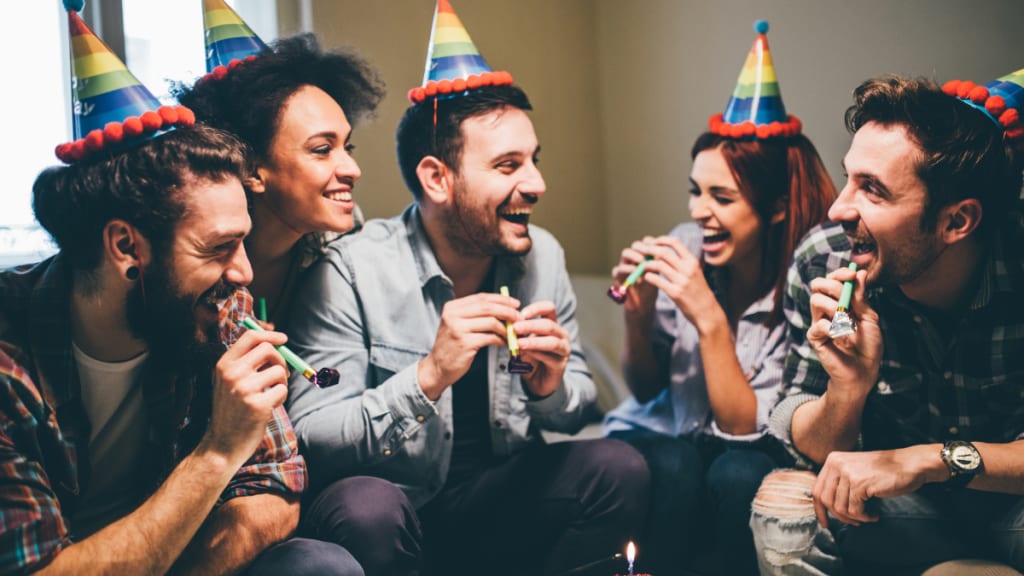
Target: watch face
(964, 457)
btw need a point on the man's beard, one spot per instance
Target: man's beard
(471, 235)
(165, 319)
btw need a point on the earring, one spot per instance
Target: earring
(132, 273)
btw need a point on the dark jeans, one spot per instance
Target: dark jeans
(542, 511)
(372, 519)
(934, 525)
(304, 557)
(701, 490)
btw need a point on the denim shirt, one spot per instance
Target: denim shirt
(371, 309)
(682, 408)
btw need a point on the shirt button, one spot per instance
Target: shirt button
(387, 451)
(883, 387)
(501, 367)
(954, 430)
(420, 418)
(947, 375)
(497, 423)
(447, 435)
(917, 319)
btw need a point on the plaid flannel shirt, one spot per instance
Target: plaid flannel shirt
(967, 385)
(44, 430)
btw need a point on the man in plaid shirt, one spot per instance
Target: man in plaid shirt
(141, 428)
(916, 420)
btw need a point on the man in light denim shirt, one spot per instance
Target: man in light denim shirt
(408, 312)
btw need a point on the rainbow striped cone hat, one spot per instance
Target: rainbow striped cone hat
(1001, 100)
(229, 40)
(454, 65)
(112, 110)
(755, 109)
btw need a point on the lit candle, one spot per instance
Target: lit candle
(630, 555)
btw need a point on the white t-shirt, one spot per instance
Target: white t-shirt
(112, 397)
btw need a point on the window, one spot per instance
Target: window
(164, 41)
(37, 117)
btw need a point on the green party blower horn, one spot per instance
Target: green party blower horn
(618, 291)
(324, 378)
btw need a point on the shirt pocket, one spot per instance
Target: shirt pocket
(386, 360)
(901, 389)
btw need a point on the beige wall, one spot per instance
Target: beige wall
(622, 88)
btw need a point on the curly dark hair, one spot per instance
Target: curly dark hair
(73, 203)
(963, 151)
(418, 137)
(248, 101)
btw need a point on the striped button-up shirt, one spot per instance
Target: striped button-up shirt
(959, 376)
(44, 429)
(682, 408)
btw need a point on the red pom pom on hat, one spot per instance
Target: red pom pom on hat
(186, 117)
(133, 126)
(151, 121)
(978, 95)
(1009, 117)
(995, 105)
(94, 140)
(168, 114)
(113, 132)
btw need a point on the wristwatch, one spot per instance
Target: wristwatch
(963, 461)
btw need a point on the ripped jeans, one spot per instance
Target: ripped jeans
(913, 532)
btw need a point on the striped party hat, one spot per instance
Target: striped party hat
(454, 65)
(229, 40)
(112, 109)
(1001, 100)
(755, 109)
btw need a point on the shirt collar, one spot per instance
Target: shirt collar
(50, 334)
(427, 267)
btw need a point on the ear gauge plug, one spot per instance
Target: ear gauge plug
(132, 273)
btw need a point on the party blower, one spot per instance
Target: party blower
(515, 363)
(618, 291)
(324, 378)
(842, 322)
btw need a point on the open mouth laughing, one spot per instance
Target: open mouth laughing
(339, 195)
(519, 216)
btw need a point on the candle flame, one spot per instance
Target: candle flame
(630, 552)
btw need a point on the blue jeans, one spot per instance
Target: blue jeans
(701, 491)
(913, 532)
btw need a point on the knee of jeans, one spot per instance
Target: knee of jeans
(782, 518)
(305, 557)
(619, 475)
(738, 472)
(362, 506)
